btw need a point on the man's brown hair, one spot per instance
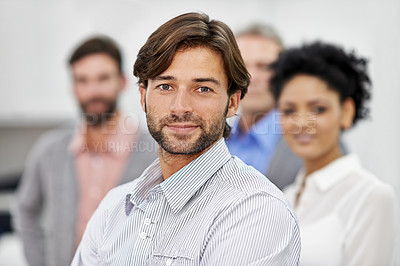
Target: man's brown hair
(192, 30)
(98, 45)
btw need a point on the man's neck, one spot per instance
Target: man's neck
(172, 163)
(95, 135)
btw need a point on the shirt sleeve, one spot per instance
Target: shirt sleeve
(258, 230)
(27, 209)
(89, 249)
(87, 252)
(372, 237)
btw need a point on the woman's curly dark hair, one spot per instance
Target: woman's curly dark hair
(344, 72)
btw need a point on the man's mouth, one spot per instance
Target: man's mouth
(182, 128)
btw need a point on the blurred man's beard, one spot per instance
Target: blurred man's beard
(181, 144)
(98, 119)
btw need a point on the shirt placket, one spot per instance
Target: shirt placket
(150, 225)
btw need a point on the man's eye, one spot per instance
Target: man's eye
(164, 87)
(288, 111)
(204, 89)
(104, 78)
(81, 81)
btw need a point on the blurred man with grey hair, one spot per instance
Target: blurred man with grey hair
(256, 136)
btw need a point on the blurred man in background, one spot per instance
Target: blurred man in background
(256, 136)
(70, 169)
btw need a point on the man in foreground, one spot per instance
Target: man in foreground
(196, 204)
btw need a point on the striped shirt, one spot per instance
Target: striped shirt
(216, 210)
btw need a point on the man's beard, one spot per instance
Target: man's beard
(98, 119)
(177, 144)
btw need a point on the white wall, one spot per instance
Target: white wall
(37, 37)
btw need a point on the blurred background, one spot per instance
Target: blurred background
(37, 37)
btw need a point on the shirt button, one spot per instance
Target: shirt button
(143, 235)
(168, 262)
(147, 221)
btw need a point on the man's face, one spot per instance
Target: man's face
(187, 104)
(97, 83)
(258, 53)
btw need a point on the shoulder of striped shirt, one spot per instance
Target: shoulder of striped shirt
(117, 194)
(247, 181)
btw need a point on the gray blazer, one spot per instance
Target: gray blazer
(284, 166)
(45, 208)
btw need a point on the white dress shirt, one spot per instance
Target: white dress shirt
(214, 211)
(347, 216)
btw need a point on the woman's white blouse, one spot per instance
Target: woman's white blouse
(347, 216)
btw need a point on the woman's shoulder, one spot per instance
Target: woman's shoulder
(378, 191)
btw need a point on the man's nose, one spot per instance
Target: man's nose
(93, 88)
(181, 103)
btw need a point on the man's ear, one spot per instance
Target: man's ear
(143, 91)
(233, 105)
(124, 82)
(348, 113)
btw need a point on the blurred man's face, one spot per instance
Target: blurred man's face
(97, 83)
(258, 53)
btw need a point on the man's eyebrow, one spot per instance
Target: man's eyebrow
(164, 78)
(213, 80)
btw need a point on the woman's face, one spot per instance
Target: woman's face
(312, 118)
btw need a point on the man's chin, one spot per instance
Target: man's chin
(97, 115)
(179, 144)
(184, 145)
(97, 119)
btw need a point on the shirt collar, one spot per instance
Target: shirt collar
(182, 185)
(330, 175)
(265, 132)
(151, 177)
